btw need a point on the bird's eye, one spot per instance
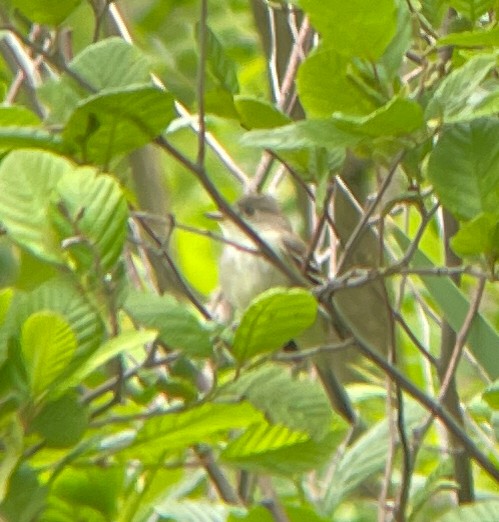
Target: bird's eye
(249, 211)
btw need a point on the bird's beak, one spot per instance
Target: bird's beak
(216, 215)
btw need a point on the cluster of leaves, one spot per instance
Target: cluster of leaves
(120, 404)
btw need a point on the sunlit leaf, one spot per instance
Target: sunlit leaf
(27, 179)
(326, 84)
(91, 210)
(488, 38)
(277, 449)
(353, 28)
(398, 117)
(491, 395)
(272, 319)
(48, 344)
(61, 297)
(478, 236)
(259, 114)
(46, 11)
(171, 431)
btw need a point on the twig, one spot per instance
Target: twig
(461, 338)
(201, 73)
(313, 352)
(218, 478)
(224, 206)
(357, 232)
(433, 407)
(182, 283)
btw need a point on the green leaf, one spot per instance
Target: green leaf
(6, 295)
(179, 327)
(27, 178)
(61, 297)
(487, 38)
(491, 395)
(173, 431)
(296, 404)
(259, 114)
(25, 496)
(124, 342)
(303, 134)
(272, 319)
(192, 510)
(118, 120)
(487, 106)
(485, 511)
(482, 337)
(85, 493)
(11, 433)
(452, 101)
(277, 449)
(51, 12)
(61, 422)
(129, 65)
(219, 64)
(472, 9)
(91, 211)
(398, 117)
(47, 344)
(464, 168)
(394, 55)
(323, 91)
(437, 480)
(14, 137)
(354, 28)
(14, 116)
(478, 236)
(365, 457)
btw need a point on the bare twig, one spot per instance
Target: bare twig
(203, 20)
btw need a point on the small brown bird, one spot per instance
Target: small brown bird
(244, 275)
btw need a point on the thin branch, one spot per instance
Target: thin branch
(359, 229)
(433, 407)
(203, 20)
(461, 339)
(224, 206)
(170, 220)
(222, 485)
(314, 351)
(182, 283)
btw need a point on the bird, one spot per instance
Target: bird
(244, 274)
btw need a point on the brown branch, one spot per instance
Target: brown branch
(359, 229)
(203, 20)
(433, 407)
(186, 289)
